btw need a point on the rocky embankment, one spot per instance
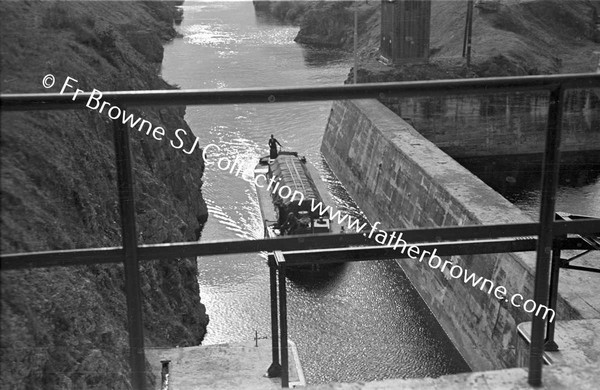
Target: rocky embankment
(509, 37)
(322, 23)
(65, 328)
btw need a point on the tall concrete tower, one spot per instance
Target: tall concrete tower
(405, 29)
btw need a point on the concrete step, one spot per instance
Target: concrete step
(223, 366)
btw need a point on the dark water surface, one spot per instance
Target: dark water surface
(363, 322)
(518, 179)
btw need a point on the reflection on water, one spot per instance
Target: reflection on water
(364, 321)
(324, 280)
(518, 179)
(368, 323)
(314, 57)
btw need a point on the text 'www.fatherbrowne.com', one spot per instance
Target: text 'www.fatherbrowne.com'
(447, 267)
(450, 269)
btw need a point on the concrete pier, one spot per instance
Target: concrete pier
(241, 366)
(223, 366)
(578, 344)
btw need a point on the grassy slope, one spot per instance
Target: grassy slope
(546, 36)
(509, 36)
(65, 327)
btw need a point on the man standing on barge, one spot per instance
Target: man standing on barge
(273, 147)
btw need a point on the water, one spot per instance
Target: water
(363, 322)
(518, 179)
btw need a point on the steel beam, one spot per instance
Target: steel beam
(488, 85)
(275, 369)
(62, 258)
(550, 343)
(579, 268)
(380, 252)
(468, 33)
(135, 325)
(304, 242)
(550, 170)
(280, 259)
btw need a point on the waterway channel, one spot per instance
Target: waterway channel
(365, 321)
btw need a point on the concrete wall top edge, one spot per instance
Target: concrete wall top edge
(402, 180)
(480, 202)
(477, 197)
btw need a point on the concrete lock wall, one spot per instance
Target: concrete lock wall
(401, 179)
(503, 123)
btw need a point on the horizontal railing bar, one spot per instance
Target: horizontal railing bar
(287, 243)
(323, 241)
(115, 255)
(380, 252)
(573, 243)
(61, 258)
(46, 101)
(279, 258)
(579, 268)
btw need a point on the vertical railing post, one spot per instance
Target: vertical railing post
(468, 33)
(137, 359)
(285, 380)
(355, 70)
(550, 344)
(550, 171)
(275, 368)
(164, 374)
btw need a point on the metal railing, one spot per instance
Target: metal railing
(488, 240)
(130, 253)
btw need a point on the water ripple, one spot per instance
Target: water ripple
(361, 321)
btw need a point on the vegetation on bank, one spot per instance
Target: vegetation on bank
(509, 37)
(65, 328)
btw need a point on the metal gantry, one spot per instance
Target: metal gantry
(130, 253)
(279, 262)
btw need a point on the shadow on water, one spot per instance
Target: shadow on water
(319, 57)
(314, 57)
(266, 19)
(516, 177)
(322, 280)
(364, 321)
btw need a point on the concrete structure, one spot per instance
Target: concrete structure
(401, 179)
(222, 366)
(241, 366)
(501, 124)
(405, 30)
(578, 344)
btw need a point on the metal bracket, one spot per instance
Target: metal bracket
(256, 338)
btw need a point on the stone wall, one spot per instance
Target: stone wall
(401, 179)
(503, 123)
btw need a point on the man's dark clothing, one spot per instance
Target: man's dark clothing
(273, 147)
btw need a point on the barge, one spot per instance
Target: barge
(287, 192)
